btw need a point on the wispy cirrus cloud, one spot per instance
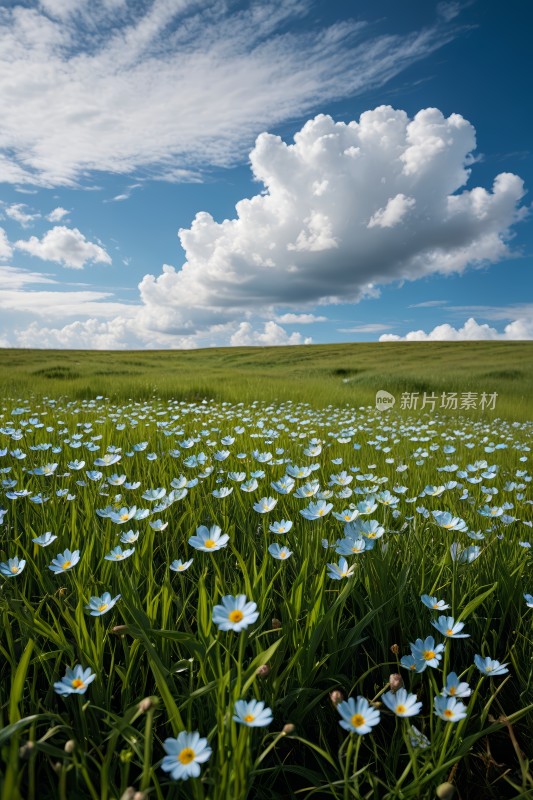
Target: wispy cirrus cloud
(166, 87)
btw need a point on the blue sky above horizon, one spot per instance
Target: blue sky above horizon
(335, 171)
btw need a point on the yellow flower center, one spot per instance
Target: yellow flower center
(435, 605)
(103, 607)
(181, 567)
(448, 525)
(124, 516)
(77, 683)
(209, 543)
(452, 691)
(283, 554)
(448, 713)
(186, 755)
(401, 709)
(66, 564)
(449, 632)
(428, 655)
(357, 720)
(14, 570)
(235, 616)
(320, 512)
(249, 718)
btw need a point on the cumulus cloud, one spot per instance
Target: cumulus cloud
(167, 87)
(67, 246)
(271, 335)
(91, 334)
(57, 214)
(6, 251)
(308, 237)
(470, 331)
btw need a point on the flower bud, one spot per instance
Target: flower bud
(119, 629)
(263, 671)
(445, 791)
(129, 794)
(70, 746)
(147, 704)
(276, 623)
(396, 682)
(288, 728)
(395, 649)
(336, 696)
(25, 750)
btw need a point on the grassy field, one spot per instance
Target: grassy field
(378, 551)
(321, 374)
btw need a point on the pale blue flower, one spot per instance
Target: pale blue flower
(253, 713)
(450, 628)
(264, 505)
(449, 709)
(489, 666)
(283, 526)
(64, 561)
(118, 554)
(101, 605)
(12, 567)
(279, 552)
(180, 566)
(75, 681)
(44, 539)
(340, 570)
(358, 716)
(454, 687)
(235, 613)
(184, 755)
(209, 540)
(316, 510)
(402, 703)
(433, 603)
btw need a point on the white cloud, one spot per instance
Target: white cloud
(67, 246)
(12, 278)
(6, 251)
(168, 87)
(271, 335)
(471, 331)
(370, 327)
(18, 213)
(57, 214)
(305, 240)
(393, 213)
(510, 312)
(299, 319)
(429, 304)
(92, 334)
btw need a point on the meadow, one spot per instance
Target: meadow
(225, 574)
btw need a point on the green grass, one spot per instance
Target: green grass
(321, 374)
(161, 664)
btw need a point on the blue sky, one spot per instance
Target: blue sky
(194, 174)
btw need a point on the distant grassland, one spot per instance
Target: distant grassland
(336, 374)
